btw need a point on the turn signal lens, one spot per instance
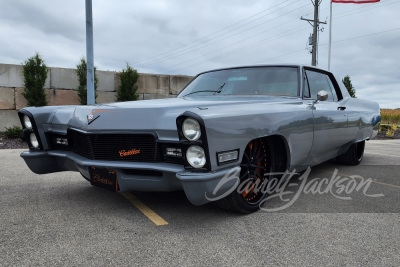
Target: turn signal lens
(228, 156)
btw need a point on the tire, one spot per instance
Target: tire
(256, 163)
(353, 155)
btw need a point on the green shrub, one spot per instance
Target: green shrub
(81, 71)
(127, 88)
(13, 132)
(391, 130)
(35, 75)
(389, 133)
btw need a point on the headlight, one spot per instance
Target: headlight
(191, 129)
(196, 157)
(27, 122)
(34, 141)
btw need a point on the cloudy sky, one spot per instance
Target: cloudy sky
(187, 37)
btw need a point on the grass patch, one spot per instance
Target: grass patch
(390, 116)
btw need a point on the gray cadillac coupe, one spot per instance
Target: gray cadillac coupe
(228, 126)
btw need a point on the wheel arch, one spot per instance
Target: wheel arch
(252, 199)
(281, 150)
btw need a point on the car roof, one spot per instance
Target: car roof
(266, 65)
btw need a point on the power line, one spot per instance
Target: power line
(366, 35)
(347, 39)
(293, 52)
(178, 51)
(240, 41)
(259, 43)
(211, 34)
(270, 38)
(232, 52)
(296, 51)
(189, 50)
(171, 57)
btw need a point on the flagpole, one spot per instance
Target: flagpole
(330, 39)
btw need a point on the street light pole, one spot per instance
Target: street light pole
(89, 54)
(330, 39)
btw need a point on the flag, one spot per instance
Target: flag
(355, 1)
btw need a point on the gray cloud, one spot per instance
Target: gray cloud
(51, 18)
(159, 36)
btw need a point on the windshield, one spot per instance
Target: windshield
(245, 81)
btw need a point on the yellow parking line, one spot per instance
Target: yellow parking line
(157, 220)
(360, 178)
(386, 155)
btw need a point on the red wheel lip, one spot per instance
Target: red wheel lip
(252, 163)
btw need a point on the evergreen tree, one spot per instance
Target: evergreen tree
(81, 71)
(349, 86)
(127, 88)
(35, 75)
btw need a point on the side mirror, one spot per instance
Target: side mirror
(322, 95)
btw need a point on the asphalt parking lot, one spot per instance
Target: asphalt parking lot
(60, 219)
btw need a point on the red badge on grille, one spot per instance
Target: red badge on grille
(124, 153)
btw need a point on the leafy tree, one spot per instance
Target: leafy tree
(81, 71)
(35, 75)
(127, 88)
(349, 86)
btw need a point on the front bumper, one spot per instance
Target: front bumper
(197, 186)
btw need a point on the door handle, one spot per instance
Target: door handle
(341, 108)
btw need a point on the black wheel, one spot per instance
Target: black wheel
(354, 154)
(256, 165)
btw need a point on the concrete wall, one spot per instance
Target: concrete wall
(61, 84)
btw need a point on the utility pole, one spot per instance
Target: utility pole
(315, 24)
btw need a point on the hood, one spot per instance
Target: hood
(159, 114)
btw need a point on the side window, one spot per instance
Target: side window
(306, 92)
(335, 98)
(319, 81)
